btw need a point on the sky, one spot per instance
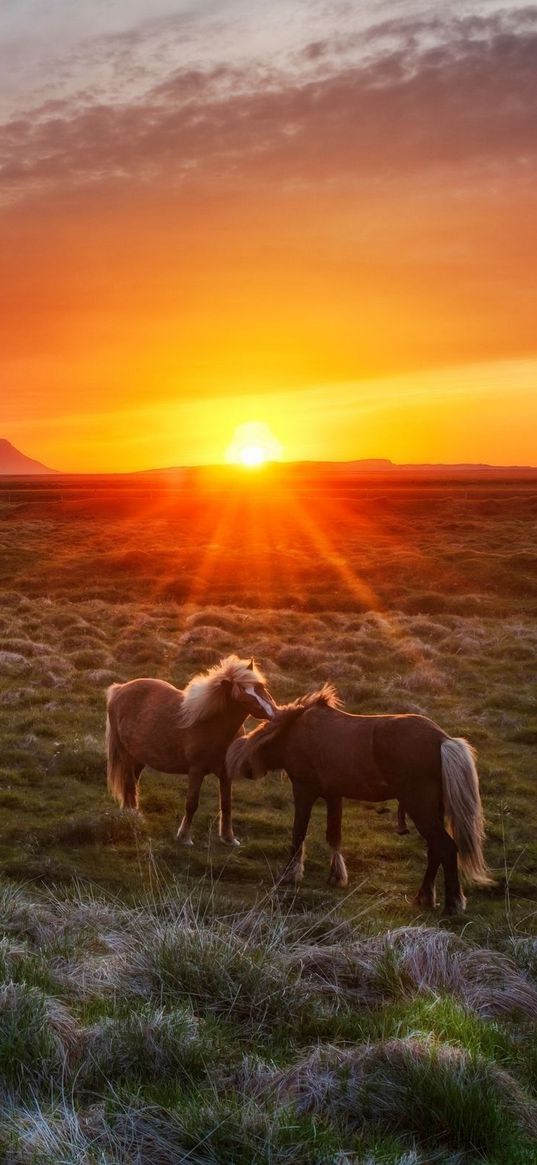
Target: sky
(313, 216)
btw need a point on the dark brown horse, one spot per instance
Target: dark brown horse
(330, 754)
(149, 722)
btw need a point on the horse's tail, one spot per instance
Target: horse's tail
(462, 805)
(119, 771)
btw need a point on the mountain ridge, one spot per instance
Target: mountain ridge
(13, 463)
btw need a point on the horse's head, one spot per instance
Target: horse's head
(250, 691)
(264, 748)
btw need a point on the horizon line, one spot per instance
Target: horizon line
(371, 464)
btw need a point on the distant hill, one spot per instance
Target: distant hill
(376, 467)
(13, 463)
(383, 466)
(463, 468)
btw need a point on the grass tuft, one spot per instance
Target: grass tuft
(414, 1086)
(38, 1037)
(419, 959)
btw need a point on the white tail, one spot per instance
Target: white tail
(462, 805)
(120, 776)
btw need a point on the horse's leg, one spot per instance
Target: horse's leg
(130, 785)
(441, 850)
(455, 901)
(426, 895)
(304, 799)
(338, 871)
(195, 779)
(226, 824)
(446, 853)
(401, 820)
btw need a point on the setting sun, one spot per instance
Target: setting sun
(252, 456)
(253, 444)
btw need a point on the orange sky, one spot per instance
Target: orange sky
(333, 234)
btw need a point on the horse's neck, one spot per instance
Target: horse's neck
(221, 728)
(232, 719)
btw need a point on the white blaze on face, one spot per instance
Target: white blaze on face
(259, 700)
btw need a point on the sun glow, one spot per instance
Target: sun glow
(252, 456)
(253, 444)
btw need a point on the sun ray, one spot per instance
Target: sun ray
(360, 590)
(218, 553)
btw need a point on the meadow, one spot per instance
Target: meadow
(162, 1004)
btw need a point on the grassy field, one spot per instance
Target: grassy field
(162, 1004)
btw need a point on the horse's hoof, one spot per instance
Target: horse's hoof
(292, 876)
(232, 841)
(339, 883)
(426, 901)
(184, 840)
(453, 908)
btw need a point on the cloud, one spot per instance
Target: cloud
(423, 94)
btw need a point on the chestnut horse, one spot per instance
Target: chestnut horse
(149, 722)
(330, 754)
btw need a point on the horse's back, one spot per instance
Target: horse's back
(366, 757)
(407, 747)
(144, 688)
(151, 700)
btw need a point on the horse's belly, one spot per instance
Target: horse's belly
(159, 753)
(338, 764)
(167, 764)
(357, 787)
(347, 775)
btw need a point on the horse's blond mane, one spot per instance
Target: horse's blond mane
(326, 695)
(205, 695)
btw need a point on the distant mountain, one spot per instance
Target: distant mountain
(13, 463)
(382, 466)
(476, 470)
(373, 467)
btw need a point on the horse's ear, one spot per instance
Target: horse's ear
(251, 664)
